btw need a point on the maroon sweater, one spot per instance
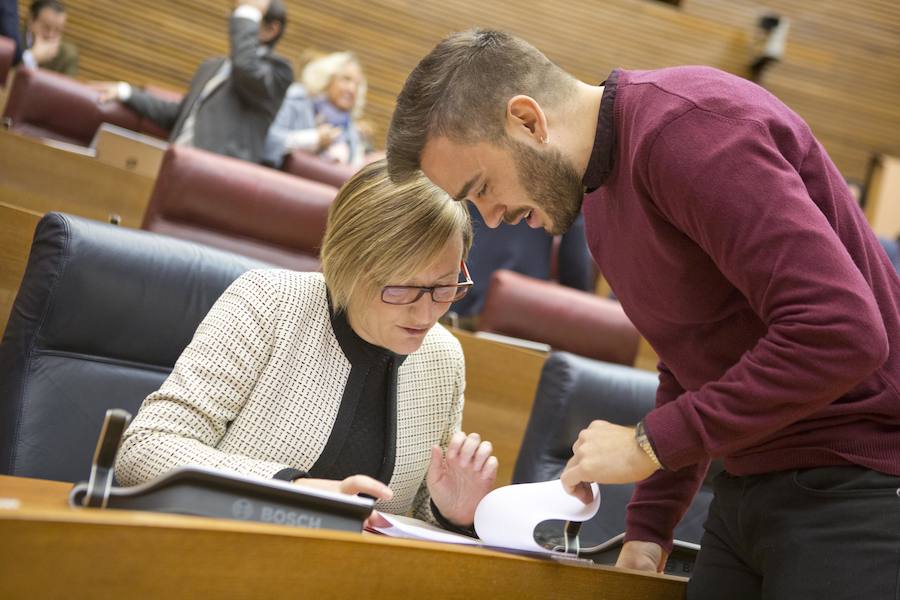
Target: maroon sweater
(737, 250)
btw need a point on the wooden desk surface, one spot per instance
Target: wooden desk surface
(48, 550)
(42, 178)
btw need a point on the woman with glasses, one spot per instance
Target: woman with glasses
(339, 380)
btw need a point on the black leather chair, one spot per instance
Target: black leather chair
(573, 391)
(101, 316)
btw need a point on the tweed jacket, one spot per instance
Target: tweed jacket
(258, 389)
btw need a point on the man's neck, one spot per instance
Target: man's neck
(582, 125)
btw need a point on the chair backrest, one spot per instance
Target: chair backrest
(308, 166)
(101, 316)
(565, 318)
(45, 104)
(7, 55)
(574, 391)
(241, 207)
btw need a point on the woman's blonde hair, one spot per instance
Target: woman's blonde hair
(381, 232)
(318, 73)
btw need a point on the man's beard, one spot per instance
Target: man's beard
(551, 182)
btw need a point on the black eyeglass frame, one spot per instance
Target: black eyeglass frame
(463, 286)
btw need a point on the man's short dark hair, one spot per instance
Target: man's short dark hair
(460, 90)
(277, 13)
(38, 5)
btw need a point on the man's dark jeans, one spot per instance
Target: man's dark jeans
(830, 533)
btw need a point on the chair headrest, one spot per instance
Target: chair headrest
(7, 54)
(235, 197)
(566, 318)
(309, 166)
(62, 105)
(107, 291)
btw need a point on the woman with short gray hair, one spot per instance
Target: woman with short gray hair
(341, 380)
(319, 114)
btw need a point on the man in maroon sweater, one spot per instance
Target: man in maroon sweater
(737, 250)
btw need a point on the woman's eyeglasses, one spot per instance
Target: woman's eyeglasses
(407, 294)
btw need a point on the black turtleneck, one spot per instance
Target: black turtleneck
(363, 439)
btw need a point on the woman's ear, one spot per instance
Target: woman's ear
(525, 119)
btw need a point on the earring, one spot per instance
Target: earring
(545, 140)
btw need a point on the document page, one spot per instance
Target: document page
(506, 517)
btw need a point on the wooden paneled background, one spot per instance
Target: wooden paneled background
(841, 70)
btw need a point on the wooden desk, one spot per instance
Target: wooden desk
(48, 550)
(501, 382)
(129, 150)
(42, 178)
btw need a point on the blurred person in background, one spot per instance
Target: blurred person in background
(43, 37)
(320, 113)
(232, 100)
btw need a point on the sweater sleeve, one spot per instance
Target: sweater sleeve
(162, 112)
(259, 82)
(727, 185)
(659, 502)
(184, 421)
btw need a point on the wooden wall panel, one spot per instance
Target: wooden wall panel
(841, 70)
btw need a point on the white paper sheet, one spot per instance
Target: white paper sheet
(414, 529)
(508, 516)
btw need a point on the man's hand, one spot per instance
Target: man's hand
(605, 453)
(460, 480)
(262, 5)
(45, 50)
(642, 556)
(107, 91)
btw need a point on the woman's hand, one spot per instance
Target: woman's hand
(327, 135)
(458, 481)
(355, 484)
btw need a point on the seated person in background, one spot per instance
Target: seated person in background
(318, 115)
(232, 100)
(340, 380)
(44, 46)
(524, 250)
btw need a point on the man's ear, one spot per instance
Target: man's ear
(270, 31)
(526, 119)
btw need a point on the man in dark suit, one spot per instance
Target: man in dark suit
(232, 100)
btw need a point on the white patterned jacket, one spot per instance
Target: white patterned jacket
(258, 389)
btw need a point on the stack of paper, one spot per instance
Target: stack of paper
(507, 517)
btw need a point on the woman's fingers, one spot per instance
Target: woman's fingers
(469, 447)
(455, 444)
(489, 472)
(363, 484)
(482, 454)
